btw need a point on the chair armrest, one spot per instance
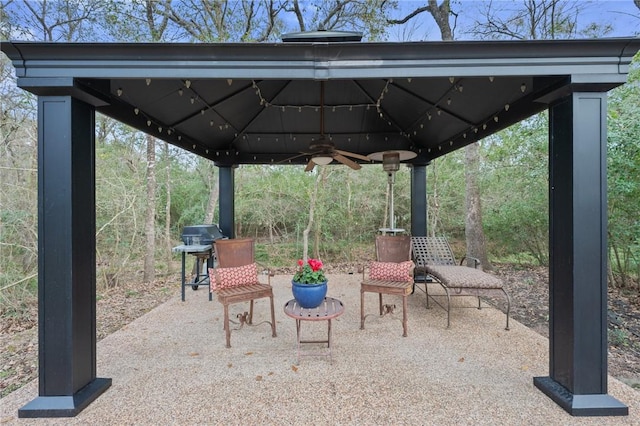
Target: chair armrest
(475, 260)
(361, 270)
(263, 270)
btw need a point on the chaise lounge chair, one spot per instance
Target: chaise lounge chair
(436, 264)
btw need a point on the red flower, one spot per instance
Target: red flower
(315, 264)
(309, 273)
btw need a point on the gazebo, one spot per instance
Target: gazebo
(315, 95)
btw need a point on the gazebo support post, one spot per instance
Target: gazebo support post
(66, 261)
(226, 200)
(578, 258)
(419, 200)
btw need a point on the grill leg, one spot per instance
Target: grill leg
(210, 265)
(183, 273)
(361, 309)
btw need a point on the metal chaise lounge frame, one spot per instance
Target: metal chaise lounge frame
(436, 264)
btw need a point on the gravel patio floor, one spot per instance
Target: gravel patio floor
(171, 366)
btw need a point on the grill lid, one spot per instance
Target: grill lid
(207, 234)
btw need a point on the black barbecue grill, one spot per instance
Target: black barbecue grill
(201, 234)
(198, 241)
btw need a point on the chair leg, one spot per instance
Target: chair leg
(227, 329)
(426, 292)
(404, 316)
(273, 318)
(446, 290)
(250, 313)
(361, 309)
(508, 306)
(380, 299)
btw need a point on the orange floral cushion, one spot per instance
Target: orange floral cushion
(232, 277)
(392, 271)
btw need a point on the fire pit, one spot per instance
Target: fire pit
(198, 241)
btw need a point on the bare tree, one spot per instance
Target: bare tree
(167, 207)
(213, 196)
(312, 208)
(473, 218)
(58, 20)
(440, 13)
(534, 19)
(474, 233)
(366, 16)
(150, 221)
(224, 20)
(156, 32)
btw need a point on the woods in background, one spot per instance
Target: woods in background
(146, 191)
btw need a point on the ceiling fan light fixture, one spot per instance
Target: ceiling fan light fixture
(322, 159)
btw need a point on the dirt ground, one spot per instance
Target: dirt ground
(528, 287)
(529, 291)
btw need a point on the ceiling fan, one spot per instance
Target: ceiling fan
(323, 151)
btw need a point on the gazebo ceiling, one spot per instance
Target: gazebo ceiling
(260, 103)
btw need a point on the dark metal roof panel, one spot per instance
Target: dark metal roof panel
(262, 103)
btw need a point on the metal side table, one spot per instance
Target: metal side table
(329, 309)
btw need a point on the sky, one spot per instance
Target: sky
(623, 14)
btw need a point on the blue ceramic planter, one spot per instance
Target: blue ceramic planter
(309, 295)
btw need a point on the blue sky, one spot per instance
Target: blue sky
(622, 14)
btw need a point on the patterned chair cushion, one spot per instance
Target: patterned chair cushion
(392, 271)
(232, 277)
(463, 277)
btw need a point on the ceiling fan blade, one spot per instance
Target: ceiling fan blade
(286, 160)
(353, 154)
(310, 166)
(344, 160)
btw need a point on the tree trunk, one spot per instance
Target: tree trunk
(473, 218)
(312, 209)
(167, 209)
(213, 198)
(149, 261)
(433, 214)
(318, 223)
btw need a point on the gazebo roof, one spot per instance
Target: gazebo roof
(261, 103)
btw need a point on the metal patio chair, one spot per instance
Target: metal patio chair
(436, 264)
(235, 280)
(391, 273)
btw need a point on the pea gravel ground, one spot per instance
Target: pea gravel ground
(171, 366)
